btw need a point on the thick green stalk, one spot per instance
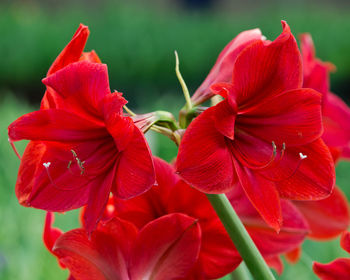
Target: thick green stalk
(240, 237)
(240, 273)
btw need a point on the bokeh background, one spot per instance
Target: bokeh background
(137, 40)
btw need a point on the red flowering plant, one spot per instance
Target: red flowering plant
(264, 136)
(244, 184)
(82, 146)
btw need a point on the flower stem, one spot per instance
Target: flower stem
(182, 83)
(240, 237)
(240, 273)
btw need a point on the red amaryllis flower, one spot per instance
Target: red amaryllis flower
(83, 149)
(265, 135)
(217, 255)
(222, 70)
(338, 269)
(166, 248)
(335, 113)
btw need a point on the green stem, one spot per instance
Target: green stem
(182, 83)
(240, 273)
(240, 237)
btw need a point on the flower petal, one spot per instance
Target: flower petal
(327, 218)
(219, 257)
(262, 194)
(50, 234)
(91, 57)
(338, 269)
(51, 178)
(204, 159)
(292, 233)
(345, 241)
(135, 172)
(166, 254)
(264, 69)
(222, 70)
(102, 256)
(73, 51)
(55, 125)
(80, 88)
(225, 118)
(275, 263)
(310, 178)
(293, 117)
(336, 121)
(98, 198)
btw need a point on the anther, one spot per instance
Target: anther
(301, 158)
(47, 165)
(79, 162)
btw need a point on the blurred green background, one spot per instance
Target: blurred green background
(137, 40)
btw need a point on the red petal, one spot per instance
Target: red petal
(316, 72)
(80, 88)
(265, 69)
(293, 117)
(98, 198)
(72, 52)
(294, 255)
(327, 218)
(166, 254)
(292, 233)
(55, 125)
(204, 159)
(103, 256)
(336, 121)
(91, 57)
(218, 256)
(345, 241)
(135, 174)
(338, 269)
(63, 185)
(225, 118)
(50, 234)
(276, 264)
(222, 70)
(262, 194)
(313, 179)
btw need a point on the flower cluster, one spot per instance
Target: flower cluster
(270, 145)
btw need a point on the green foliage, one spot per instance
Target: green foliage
(138, 42)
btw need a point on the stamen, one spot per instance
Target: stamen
(47, 165)
(301, 158)
(245, 161)
(79, 162)
(14, 148)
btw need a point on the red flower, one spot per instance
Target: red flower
(165, 248)
(335, 113)
(265, 135)
(338, 269)
(222, 70)
(82, 146)
(217, 255)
